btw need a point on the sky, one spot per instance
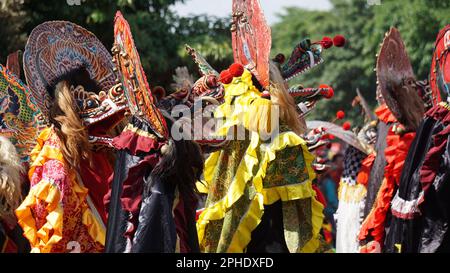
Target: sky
(222, 8)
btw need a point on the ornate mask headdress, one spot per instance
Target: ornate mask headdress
(405, 97)
(206, 91)
(347, 136)
(305, 56)
(134, 81)
(60, 50)
(251, 37)
(20, 119)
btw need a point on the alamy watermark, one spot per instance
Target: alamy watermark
(74, 2)
(231, 122)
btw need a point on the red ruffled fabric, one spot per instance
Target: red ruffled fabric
(135, 143)
(439, 112)
(366, 168)
(384, 114)
(397, 147)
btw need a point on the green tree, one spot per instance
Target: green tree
(11, 19)
(159, 33)
(364, 27)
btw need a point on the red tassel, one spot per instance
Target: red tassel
(339, 40)
(330, 92)
(346, 126)
(326, 42)
(225, 77)
(340, 114)
(236, 69)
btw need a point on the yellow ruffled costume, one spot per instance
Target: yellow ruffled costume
(248, 174)
(57, 215)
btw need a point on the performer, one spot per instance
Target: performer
(260, 194)
(20, 124)
(152, 200)
(352, 190)
(420, 207)
(247, 178)
(70, 75)
(405, 103)
(358, 158)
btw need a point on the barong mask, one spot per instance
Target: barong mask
(60, 50)
(304, 57)
(201, 96)
(208, 86)
(207, 89)
(100, 112)
(347, 136)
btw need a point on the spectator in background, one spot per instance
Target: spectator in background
(337, 168)
(328, 185)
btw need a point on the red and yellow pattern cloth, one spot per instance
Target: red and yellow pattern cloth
(58, 215)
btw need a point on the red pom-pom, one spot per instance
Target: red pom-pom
(225, 77)
(340, 114)
(327, 42)
(346, 126)
(339, 40)
(329, 92)
(236, 69)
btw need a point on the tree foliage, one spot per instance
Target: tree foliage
(159, 33)
(364, 26)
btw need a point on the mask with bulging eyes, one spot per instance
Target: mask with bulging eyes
(100, 112)
(368, 135)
